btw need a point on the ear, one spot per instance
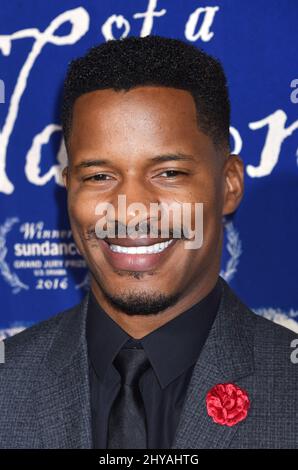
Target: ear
(233, 183)
(65, 176)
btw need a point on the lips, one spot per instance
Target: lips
(136, 261)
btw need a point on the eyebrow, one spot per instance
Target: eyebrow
(158, 159)
(173, 157)
(95, 162)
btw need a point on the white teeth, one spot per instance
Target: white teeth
(141, 250)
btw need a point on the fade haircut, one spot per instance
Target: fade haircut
(127, 63)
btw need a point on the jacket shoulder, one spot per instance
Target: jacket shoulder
(28, 347)
(272, 343)
(265, 329)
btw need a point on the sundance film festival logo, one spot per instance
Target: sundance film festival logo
(164, 220)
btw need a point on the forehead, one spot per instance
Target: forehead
(150, 97)
(147, 117)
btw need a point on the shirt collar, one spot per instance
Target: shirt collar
(171, 348)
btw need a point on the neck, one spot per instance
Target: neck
(138, 326)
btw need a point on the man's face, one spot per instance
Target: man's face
(129, 130)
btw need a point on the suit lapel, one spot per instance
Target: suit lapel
(63, 397)
(227, 356)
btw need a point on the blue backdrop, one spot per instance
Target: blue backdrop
(256, 40)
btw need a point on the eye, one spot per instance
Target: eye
(97, 177)
(172, 173)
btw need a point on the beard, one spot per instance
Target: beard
(140, 302)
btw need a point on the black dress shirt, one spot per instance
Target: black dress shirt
(172, 350)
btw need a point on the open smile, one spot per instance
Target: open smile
(138, 255)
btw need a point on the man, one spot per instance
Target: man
(161, 353)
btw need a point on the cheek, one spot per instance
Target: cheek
(81, 210)
(200, 215)
(206, 223)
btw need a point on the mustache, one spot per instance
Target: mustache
(142, 228)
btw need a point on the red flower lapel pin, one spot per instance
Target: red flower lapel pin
(227, 404)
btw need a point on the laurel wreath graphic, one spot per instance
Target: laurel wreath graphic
(288, 319)
(85, 284)
(11, 278)
(234, 248)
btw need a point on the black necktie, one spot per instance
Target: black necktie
(127, 421)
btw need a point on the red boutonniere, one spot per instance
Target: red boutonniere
(227, 404)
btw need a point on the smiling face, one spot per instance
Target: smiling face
(145, 143)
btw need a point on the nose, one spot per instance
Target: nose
(132, 204)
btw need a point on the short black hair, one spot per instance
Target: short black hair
(153, 60)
